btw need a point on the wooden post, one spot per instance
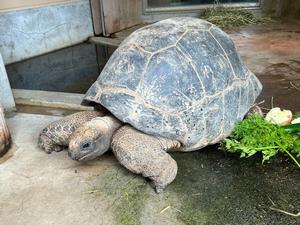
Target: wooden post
(4, 133)
(280, 8)
(6, 96)
(118, 15)
(96, 14)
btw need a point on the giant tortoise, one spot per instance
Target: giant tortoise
(175, 85)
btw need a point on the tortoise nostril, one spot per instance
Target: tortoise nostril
(72, 156)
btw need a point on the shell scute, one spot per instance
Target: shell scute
(124, 61)
(209, 59)
(170, 82)
(229, 48)
(148, 39)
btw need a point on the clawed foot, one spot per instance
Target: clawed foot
(48, 145)
(58, 148)
(157, 187)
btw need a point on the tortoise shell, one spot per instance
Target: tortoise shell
(180, 78)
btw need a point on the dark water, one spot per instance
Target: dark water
(71, 69)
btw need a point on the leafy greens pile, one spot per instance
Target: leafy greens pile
(254, 134)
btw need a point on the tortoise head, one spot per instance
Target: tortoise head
(92, 139)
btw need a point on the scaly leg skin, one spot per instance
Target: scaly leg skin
(145, 154)
(56, 136)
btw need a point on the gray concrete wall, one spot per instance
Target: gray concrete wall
(31, 32)
(6, 97)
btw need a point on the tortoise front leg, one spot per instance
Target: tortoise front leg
(146, 155)
(56, 136)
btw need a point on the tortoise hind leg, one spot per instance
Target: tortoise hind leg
(144, 154)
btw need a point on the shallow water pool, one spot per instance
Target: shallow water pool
(71, 69)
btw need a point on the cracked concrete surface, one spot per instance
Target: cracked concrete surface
(37, 188)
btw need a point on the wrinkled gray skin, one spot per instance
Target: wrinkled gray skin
(179, 84)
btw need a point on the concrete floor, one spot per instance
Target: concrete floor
(273, 53)
(211, 187)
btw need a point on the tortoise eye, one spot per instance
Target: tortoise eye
(87, 145)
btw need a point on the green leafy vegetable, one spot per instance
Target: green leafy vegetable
(254, 134)
(293, 129)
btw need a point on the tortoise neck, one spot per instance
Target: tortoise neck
(107, 126)
(112, 124)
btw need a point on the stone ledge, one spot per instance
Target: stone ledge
(61, 100)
